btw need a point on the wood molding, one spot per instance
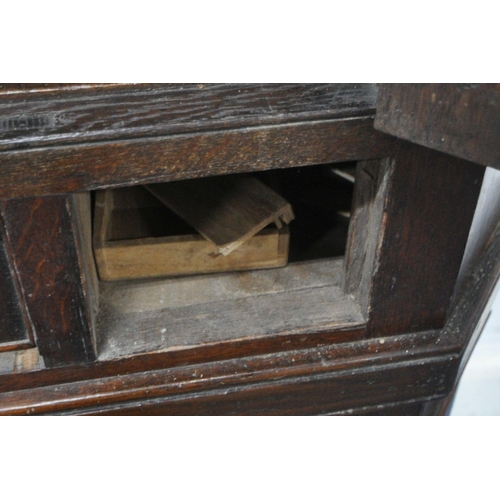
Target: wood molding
(67, 169)
(461, 119)
(46, 115)
(335, 377)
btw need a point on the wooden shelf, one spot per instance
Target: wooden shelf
(151, 315)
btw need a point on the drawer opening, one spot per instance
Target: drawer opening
(302, 293)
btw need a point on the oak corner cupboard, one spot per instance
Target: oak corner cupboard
(350, 308)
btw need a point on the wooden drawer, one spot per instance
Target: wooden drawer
(135, 236)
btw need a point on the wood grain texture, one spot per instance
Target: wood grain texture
(48, 262)
(191, 356)
(363, 240)
(356, 374)
(459, 119)
(364, 374)
(82, 228)
(21, 361)
(124, 249)
(139, 390)
(304, 297)
(90, 166)
(227, 210)
(427, 214)
(14, 325)
(425, 207)
(185, 255)
(61, 115)
(438, 407)
(311, 395)
(406, 409)
(472, 305)
(25, 90)
(470, 310)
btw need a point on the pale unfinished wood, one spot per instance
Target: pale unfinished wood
(123, 251)
(227, 210)
(21, 361)
(192, 254)
(147, 315)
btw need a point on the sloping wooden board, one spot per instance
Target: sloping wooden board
(227, 210)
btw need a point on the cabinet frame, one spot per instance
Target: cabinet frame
(409, 195)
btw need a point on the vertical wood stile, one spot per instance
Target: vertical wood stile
(411, 218)
(54, 269)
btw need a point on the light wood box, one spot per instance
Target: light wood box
(135, 236)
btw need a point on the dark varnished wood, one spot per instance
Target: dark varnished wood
(41, 234)
(395, 372)
(58, 140)
(427, 212)
(66, 169)
(193, 356)
(471, 309)
(438, 407)
(14, 329)
(302, 395)
(460, 119)
(472, 305)
(51, 114)
(360, 373)
(407, 409)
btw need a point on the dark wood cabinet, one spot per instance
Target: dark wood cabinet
(374, 329)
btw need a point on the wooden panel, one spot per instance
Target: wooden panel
(460, 119)
(49, 264)
(42, 115)
(438, 407)
(423, 199)
(14, 330)
(133, 254)
(471, 309)
(311, 395)
(407, 409)
(404, 368)
(227, 210)
(427, 214)
(485, 220)
(20, 361)
(82, 389)
(10, 380)
(472, 305)
(58, 170)
(304, 297)
(184, 255)
(81, 219)
(367, 212)
(190, 389)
